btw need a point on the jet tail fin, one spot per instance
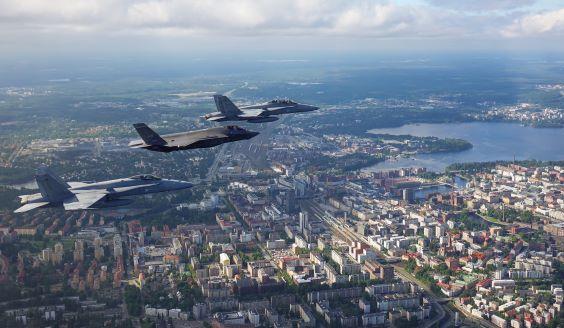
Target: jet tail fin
(149, 136)
(52, 188)
(226, 106)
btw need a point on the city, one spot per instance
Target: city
(281, 163)
(290, 236)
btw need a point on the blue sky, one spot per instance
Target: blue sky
(28, 26)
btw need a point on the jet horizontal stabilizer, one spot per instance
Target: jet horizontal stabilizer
(31, 206)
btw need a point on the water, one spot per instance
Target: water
(491, 141)
(423, 192)
(460, 182)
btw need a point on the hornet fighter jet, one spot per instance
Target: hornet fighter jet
(227, 111)
(54, 192)
(188, 140)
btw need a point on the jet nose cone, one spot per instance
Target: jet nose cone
(185, 184)
(176, 184)
(251, 134)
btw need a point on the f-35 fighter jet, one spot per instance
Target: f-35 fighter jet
(261, 113)
(54, 192)
(188, 140)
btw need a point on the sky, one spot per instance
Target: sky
(292, 26)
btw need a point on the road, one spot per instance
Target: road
(219, 157)
(13, 156)
(471, 318)
(215, 165)
(443, 313)
(230, 92)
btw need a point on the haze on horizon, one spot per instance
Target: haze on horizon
(281, 28)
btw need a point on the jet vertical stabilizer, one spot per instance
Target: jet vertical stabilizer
(226, 106)
(149, 136)
(52, 188)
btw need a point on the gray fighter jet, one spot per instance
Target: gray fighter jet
(261, 113)
(54, 192)
(188, 140)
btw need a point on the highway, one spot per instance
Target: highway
(13, 156)
(215, 165)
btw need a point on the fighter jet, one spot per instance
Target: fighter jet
(227, 111)
(54, 192)
(188, 140)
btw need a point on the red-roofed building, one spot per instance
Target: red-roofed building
(452, 263)
(173, 259)
(134, 226)
(478, 255)
(288, 261)
(484, 283)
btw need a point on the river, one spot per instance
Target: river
(491, 142)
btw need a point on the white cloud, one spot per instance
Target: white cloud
(550, 22)
(482, 5)
(53, 11)
(147, 13)
(354, 18)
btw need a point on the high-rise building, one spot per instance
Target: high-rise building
(59, 248)
(78, 253)
(408, 195)
(46, 255)
(429, 232)
(303, 217)
(118, 248)
(291, 205)
(440, 230)
(387, 273)
(103, 273)
(361, 228)
(98, 253)
(96, 284)
(500, 274)
(57, 256)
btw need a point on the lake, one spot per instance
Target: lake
(491, 142)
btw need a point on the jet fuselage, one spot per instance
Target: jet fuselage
(196, 139)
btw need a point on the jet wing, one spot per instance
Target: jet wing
(30, 206)
(186, 139)
(136, 144)
(83, 201)
(215, 118)
(124, 189)
(250, 113)
(77, 184)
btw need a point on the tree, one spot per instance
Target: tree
(133, 300)
(410, 265)
(404, 323)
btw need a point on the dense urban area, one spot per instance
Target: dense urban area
(297, 227)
